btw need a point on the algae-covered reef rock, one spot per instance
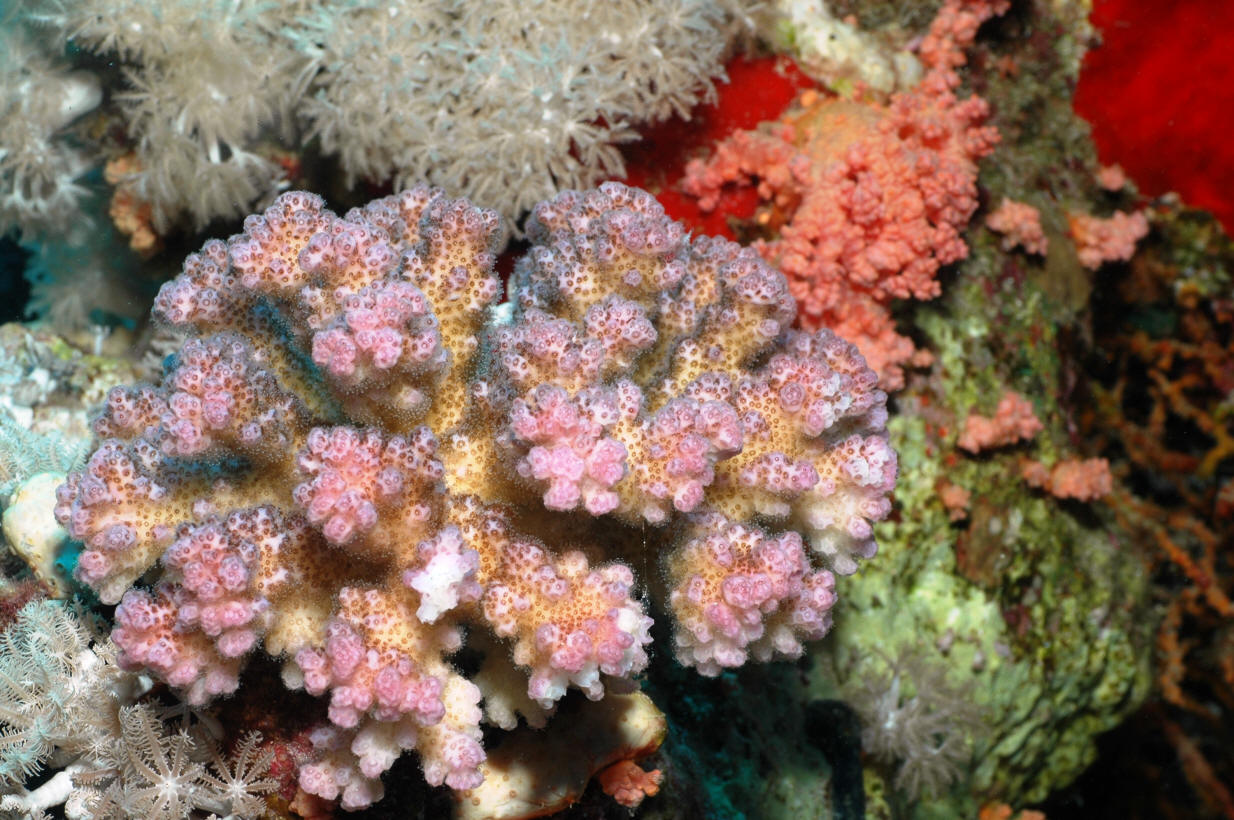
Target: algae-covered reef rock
(1028, 614)
(1003, 628)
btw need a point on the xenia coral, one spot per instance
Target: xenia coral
(39, 166)
(354, 456)
(915, 720)
(498, 102)
(65, 704)
(501, 102)
(874, 197)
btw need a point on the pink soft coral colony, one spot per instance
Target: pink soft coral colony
(875, 196)
(358, 459)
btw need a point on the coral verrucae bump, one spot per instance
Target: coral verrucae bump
(357, 454)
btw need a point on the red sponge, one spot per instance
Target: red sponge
(1158, 94)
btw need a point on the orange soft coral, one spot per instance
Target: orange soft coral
(955, 499)
(1098, 240)
(874, 196)
(1013, 421)
(132, 215)
(1020, 224)
(1083, 480)
(1112, 177)
(628, 784)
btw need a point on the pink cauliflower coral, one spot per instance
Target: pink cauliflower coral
(874, 197)
(358, 461)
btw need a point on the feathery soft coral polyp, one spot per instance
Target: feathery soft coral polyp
(357, 453)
